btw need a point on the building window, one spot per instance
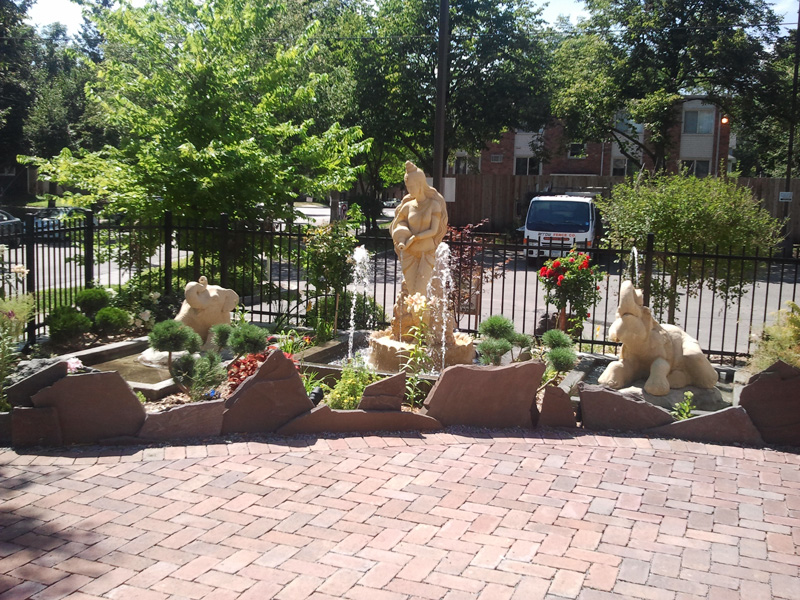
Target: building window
(460, 167)
(698, 121)
(497, 158)
(619, 167)
(698, 168)
(577, 151)
(526, 165)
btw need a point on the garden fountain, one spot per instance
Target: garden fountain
(421, 310)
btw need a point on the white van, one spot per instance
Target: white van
(559, 223)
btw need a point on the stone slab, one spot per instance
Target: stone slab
(604, 409)
(93, 406)
(20, 393)
(325, 420)
(728, 426)
(268, 399)
(703, 398)
(198, 419)
(35, 427)
(5, 429)
(486, 396)
(386, 394)
(556, 409)
(772, 400)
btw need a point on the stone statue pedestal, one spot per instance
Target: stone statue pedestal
(389, 354)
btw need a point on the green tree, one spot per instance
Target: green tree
(202, 97)
(16, 77)
(497, 61)
(708, 214)
(632, 61)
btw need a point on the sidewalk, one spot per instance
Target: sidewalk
(479, 515)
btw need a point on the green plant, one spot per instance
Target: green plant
(683, 409)
(492, 350)
(172, 336)
(66, 324)
(571, 285)
(327, 256)
(247, 339)
(418, 361)
(558, 352)
(141, 397)
(291, 342)
(196, 375)
(311, 380)
(14, 314)
(111, 321)
(367, 316)
(561, 359)
(348, 391)
(221, 334)
(555, 338)
(779, 341)
(91, 300)
(497, 326)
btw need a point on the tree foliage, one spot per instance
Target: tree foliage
(203, 99)
(632, 61)
(686, 213)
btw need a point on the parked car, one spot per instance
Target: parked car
(391, 203)
(54, 223)
(10, 230)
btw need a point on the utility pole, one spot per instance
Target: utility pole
(443, 70)
(787, 242)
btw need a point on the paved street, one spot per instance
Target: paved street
(526, 515)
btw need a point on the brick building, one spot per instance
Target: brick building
(701, 143)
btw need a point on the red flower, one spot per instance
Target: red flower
(560, 279)
(588, 315)
(598, 287)
(585, 264)
(556, 264)
(543, 271)
(549, 273)
(572, 260)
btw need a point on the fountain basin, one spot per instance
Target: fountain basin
(389, 354)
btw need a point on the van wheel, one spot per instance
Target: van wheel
(534, 261)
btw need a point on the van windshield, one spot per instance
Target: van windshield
(558, 215)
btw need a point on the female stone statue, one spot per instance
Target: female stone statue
(419, 226)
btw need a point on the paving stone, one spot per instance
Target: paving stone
(458, 513)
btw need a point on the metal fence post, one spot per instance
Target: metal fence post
(168, 232)
(88, 250)
(223, 251)
(30, 281)
(648, 269)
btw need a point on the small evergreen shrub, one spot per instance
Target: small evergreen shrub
(111, 321)
(561, 359)
(173, 336)
(555, 338)
(498, 326)
(66, 323)
(198, 374)
(220, 334)
(91, 300)
(492, 350)
(247, 338)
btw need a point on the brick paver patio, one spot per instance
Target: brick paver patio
(483, 515)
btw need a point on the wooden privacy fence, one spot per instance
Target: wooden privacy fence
(501, 198)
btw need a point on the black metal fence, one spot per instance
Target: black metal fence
(722, 298)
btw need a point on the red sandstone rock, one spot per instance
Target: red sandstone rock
(198, 419)
(556, 409)
(271, 397)
(772, 401)
(93, 406)
(728, 426)
(486, 396)
(386, 394)
(603, 409)
(20, 393)
(324, 419)
(35, 427)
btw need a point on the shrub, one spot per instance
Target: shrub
(555, 338)
(111, 321)
(91, 300)
(220, 334)
(497, 326)
(561, 359)
(492, 350)
(66, 323)
(198, 375)
(172, 336)
(349, 390)
(779, 341)
(571, 284)
(247, 339)
(369, 314)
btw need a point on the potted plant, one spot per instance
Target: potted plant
(571, 284)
